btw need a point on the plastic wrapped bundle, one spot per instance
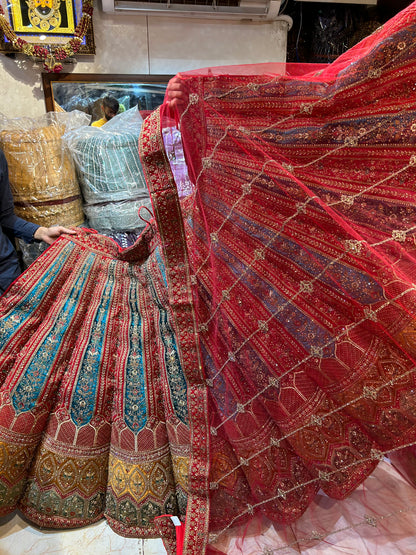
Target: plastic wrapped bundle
(110, 173)
(42, 176)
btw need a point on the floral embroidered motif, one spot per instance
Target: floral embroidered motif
(263, 326)
(246, 188)
(316, 420)
(306, 108)
(370, 393)
(306, 286)
(287, 167)
(376, 455)
(353, 246)
(371, 520)
(281, 494)
(225, 293)
(206, 163)
(351, 141)
(317, 351)
(374, 73)
(274, 382)
(315, 535)
(347, 200)
(399, 235)
(370, 314)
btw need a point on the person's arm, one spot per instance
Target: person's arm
(17, 227)
(11, 224)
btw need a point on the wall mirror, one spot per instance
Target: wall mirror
(83, 91)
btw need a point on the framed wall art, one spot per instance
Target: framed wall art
(51, 31)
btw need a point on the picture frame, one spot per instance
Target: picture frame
(50, 26)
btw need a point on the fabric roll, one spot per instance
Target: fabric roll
(110, 174)
(42, 178)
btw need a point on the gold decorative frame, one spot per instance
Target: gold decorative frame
(49, 37)
(27, 17)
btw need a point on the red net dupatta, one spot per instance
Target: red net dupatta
(291, 271)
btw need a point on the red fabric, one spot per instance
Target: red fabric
(180, 537)
(171, 534)
(300, 252)
(88, 354)
(286, 297)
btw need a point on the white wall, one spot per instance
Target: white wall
(147, 45)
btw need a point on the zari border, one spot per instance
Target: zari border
(168, 216)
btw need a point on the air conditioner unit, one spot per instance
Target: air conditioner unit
(368, 2)
(256, 10)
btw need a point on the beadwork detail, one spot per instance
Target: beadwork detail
(399, 235)
(371, 520)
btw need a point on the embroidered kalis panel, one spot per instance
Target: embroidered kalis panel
(93, 413)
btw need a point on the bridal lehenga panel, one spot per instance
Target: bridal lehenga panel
(256, 345)
(88, 357)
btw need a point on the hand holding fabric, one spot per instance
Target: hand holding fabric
(50, 234)
(177, 94)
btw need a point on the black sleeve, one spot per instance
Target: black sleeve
(11, 223)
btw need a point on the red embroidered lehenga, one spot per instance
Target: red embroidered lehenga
(257, 344)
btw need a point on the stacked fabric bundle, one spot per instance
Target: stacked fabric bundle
(42, 177)
(110, 173)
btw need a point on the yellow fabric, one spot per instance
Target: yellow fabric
(99, 122)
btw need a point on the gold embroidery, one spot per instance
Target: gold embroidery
(141, 480)
(181, 470)
(14, 460)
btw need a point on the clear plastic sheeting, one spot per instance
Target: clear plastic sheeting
(30, 251)
(110, 173)
(42, 177)
(174, 150)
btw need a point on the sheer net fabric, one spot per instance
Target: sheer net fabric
(300, 254)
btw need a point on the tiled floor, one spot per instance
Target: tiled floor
(18, 537)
